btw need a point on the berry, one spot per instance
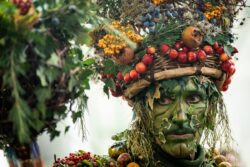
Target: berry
(192, 57)
(228, 81)
(185, 49)
(224, 57)
(173, 54)
(182, 57)
(127, 78)
(141, 68)
(224, 88)
(72, 8)
(147, 59)
(55, 21)
(231, 70)
(216, 45)
(177, 45)
(201, 55)
(164, 48)
(208, 49)
(225, 66)
(134, 75)
(219, 50)
(151, 50)
(119, 76)
(23, 5)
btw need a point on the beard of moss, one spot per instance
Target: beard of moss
(216, 134)
(139, 138)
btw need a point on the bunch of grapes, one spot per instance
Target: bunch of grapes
(150, 18)
(170, 11)
(23, 5)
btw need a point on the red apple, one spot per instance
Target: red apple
(110, 75)
(235, 51)
(219, 50)
(141, 68)
(216, 45)
(147, 59)
(208, 49)
(177, 45)
(173, 54)
(134, 75)
(119, 76)
(224, 88)
(182, 57)
(201, 55)
(127, 78)
(231, 70)
(164, 48)
(228, 81)
(185, 49)
(151, 50)
(192, 57)
(225, 66)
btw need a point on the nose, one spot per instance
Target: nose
(180, 115)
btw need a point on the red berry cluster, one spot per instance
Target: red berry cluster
(183, 54)
(141, 67)
(23, 5)
(77, 159)
(229, 67)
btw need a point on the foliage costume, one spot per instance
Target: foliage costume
(169, 59)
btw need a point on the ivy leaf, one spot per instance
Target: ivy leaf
(53, 60)
(109, 67)
(228, 49)
(210, 40)
(106, 90)
(89, 62)
(76, 115)
(66, 129)
(40, 74)
(109, 82)
(125, 69)
(54, 133)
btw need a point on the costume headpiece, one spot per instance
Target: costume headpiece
(172, 38)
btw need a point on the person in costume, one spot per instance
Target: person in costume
(170, 60)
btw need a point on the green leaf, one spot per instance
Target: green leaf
(109, 67)
(210, 40)
(40, 74)
(89, 62)
(106, 90)
(72, 83)
(54, 133)
(66, 129)
(228, 49)
(109, 82)
(53, 60)
(76, 115)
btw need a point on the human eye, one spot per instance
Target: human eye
(165, 100)
(193, 98)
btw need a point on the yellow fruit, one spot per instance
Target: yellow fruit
(133, 164)
(219, 159)
(224, 57)
(225, 164)
(192, 37)
(126, 57)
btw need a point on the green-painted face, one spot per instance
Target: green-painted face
(179, 116)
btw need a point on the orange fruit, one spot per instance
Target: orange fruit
(133, 164)
(224, 57)
(192, 37)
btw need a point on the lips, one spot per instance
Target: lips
(185, 136)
